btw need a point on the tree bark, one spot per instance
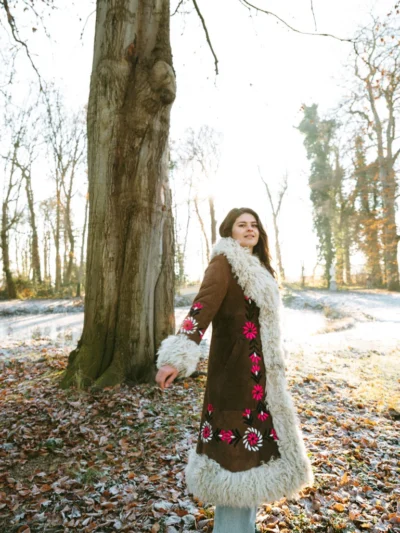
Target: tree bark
(129, 273)
(36, 271)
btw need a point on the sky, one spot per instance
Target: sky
(266, 73)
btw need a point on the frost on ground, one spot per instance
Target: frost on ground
(113, 460)
(37, 307)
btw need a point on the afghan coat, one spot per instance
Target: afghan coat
(250, 448)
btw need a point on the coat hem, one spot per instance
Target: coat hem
(269, 482)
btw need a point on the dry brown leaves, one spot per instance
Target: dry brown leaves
(113, 461)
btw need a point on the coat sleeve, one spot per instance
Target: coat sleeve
(182, 350)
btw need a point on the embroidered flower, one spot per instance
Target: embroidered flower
(248, 299)
(252, 439)
(257, 392)
(255, 358)
(189, 325)
(262, 415)
(206, 433)
(226, 435)
(255, 369)
(210, 408)
(273, 434)
(246, 413)
(197, 305)
(250, 330)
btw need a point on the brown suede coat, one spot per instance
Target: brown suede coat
(250, 448)
(236, 427)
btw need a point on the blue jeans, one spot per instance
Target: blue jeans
(234, 519)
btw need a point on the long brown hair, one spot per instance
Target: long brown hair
(261, 249)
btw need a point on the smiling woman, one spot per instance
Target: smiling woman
(245, 230)
(250, 449)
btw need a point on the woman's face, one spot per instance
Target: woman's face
(245, 230)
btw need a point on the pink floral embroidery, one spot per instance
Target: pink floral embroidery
(262, 416)
(255, 358)
(246, 413)
(189, 325)
(255, 369)
(257, 392)
(252, 439)
(250, 330)
(226, 435)
(210, 408)
(206, 433)
(273, 434)
(197, 306)
(248, 299)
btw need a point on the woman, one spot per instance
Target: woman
(250, 448)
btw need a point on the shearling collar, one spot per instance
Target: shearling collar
(252, 275)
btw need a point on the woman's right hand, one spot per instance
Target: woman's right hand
(166, 375)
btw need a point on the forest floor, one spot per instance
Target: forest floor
(114, 460)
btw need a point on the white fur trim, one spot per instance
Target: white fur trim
(283, 476)
(180, 352)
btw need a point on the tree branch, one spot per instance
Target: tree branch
(248, 4)
(282, 193)
(207, 36)
(177, 7)
(14, 31)
(396, 155)
(268, 192)
(312, 11)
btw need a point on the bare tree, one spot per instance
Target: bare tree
(375, 100)
(202, 227)
(198, 157)
(11, 214)
(66, 139)
(275, 214)
(25, 157)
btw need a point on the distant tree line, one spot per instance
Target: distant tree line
(354, 161)
(43, 153)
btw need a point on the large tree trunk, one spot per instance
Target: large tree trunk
(10, 285)
(129, 273)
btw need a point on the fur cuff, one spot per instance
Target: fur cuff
(180, 352)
